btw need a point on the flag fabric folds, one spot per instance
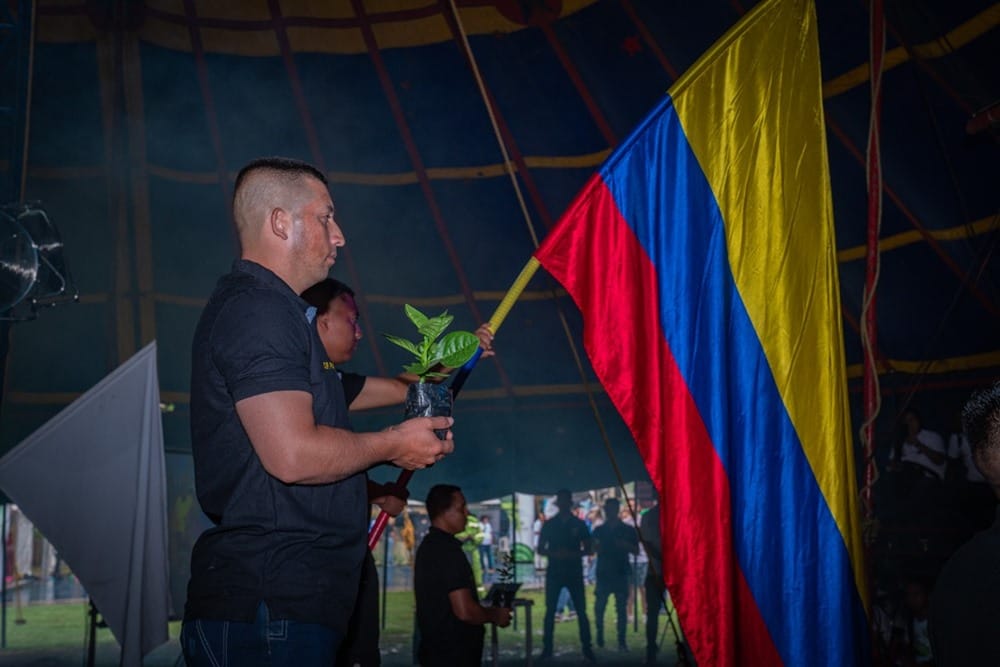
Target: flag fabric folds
(702, 257)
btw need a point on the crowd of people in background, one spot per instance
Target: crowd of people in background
(935, 493)
(582, 546)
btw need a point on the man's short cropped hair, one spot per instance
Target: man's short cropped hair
(269, 183)
(439, 499)
(291, 168)
(981, 419)
(322, 294)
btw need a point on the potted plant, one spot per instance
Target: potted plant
(503, 591)
(434, 359)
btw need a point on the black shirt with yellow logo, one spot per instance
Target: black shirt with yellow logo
(298, 548)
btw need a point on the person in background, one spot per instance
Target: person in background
(338, 323)
(911, 643)
(654, 583)
(965, 604)
(614, 542)
(640, 564)
(917, 465)
(471, 536)
(486, 546)
(450, 618)
(536, 533)
(565, 540)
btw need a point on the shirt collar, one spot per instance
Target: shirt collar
(269, 278)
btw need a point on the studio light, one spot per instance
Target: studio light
(33, 271)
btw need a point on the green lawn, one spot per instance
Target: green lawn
(54, 634)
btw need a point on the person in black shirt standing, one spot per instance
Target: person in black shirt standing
(614, 541)
(656, 587)
(565, 540)
(450, 618)
(277, 468)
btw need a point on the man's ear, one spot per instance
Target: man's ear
(280, 222)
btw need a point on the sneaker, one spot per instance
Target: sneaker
(588, 655)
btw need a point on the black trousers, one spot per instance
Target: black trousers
(556, 579)
(655, 596)
(360, 645)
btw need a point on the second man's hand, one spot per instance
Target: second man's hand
(499, 616)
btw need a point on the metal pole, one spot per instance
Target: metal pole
(385, 577)
(3, 586)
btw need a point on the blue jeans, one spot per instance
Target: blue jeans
(262, 643)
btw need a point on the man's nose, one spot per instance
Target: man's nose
(337, 235)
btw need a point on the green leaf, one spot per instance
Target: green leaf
(418, 318)
(417, 368)
(456, 348)
(452, 351)
(403, 343)
(435, 326)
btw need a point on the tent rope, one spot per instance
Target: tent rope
(509, 167)
(507, 162)
(22, 186)
(873, 397)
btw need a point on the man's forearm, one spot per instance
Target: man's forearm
(296, 450)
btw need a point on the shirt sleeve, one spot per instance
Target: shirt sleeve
(456, 573)
(261, 344)
(353, 385)
(933, 440)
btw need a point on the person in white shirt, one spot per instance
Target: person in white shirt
(486, 546)
(921, 448)
(959, 449)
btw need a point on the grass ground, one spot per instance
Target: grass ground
(55, 635)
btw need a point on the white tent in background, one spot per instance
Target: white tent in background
(92, 480)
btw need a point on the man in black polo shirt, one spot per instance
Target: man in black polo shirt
(449, 615)
(277, 468)
(965, 604)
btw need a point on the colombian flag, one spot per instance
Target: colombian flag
(702, 257)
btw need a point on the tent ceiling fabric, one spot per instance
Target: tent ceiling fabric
(143, 112)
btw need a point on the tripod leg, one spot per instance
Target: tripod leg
(683, 653)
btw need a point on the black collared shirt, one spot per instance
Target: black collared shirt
(440, 568)
(299, 548)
